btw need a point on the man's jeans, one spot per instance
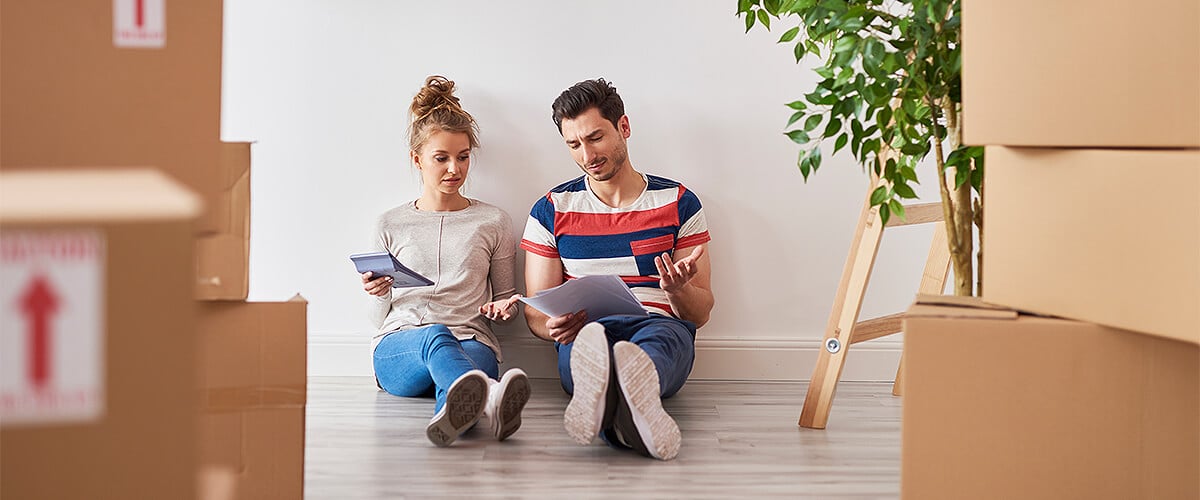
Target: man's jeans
(670, 342)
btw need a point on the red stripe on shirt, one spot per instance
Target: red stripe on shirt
(542, 250)
(693, 240)
(659, 305)
(639, 279)
(589, 224)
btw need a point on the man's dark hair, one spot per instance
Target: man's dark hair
(585, 95)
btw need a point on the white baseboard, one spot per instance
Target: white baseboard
(727, 358)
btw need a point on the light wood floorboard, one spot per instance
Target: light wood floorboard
(740, 439)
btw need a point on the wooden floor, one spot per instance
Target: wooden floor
(740, 440)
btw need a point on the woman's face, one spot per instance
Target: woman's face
(444, 160)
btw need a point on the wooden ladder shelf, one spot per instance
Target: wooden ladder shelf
(844, 329)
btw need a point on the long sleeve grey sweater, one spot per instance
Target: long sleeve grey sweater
(468, 254)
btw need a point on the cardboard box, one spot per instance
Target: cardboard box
(223, 257)
(252, 394)
(1106, 236)
(113, 252)
(72, 96)
(1000, 405)
(1076, 74)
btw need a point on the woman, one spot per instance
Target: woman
(438, 339)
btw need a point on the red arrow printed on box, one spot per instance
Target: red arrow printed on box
(39, 303)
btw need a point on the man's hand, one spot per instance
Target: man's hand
(673, 276)
(563, 329)
(379, 286)
(499, 310)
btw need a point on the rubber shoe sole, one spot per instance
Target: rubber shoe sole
(589, 373)
(639, 385)
(514, 393)
(465, 400)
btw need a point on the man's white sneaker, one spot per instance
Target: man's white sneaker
(506, 400)
(589, 373)
(638, 380)
(465, 400)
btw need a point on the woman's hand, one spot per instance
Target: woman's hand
(500, 310)
(379, 286)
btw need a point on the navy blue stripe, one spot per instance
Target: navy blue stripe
(608, 246)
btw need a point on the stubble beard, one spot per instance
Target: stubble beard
(619, 158)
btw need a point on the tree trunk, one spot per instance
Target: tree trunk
(957, 210)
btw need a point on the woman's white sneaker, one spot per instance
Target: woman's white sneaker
(506, 400)
(465, 400)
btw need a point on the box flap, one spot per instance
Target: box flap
(955, 306)
(88, 195)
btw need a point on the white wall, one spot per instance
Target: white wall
(323, 85)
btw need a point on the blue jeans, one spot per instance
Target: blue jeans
(415, 362)
(670, 343)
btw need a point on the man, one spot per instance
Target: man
(651, 232)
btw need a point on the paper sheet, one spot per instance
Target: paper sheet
(600, 296)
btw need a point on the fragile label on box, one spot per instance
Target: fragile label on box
(140, 23)
(52, 327)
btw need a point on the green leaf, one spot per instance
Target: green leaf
(841, 142)
(798, 137)
(956, 158)
(896, 208)
(879, 194)
(798, 50)
(913, 149)
(811, 123)
(804, 164)
(908, 173)
(961, 176)
(845, 43)
(789, 35)
(843, 77)
(743, 6)
(884, 214)
(772, 6)
(884, 117)
(764, 20)
(834, 126)
(904, 191)
(815, 154)
(795, 116)
(797, 105)
(825, 72)
(749, 20)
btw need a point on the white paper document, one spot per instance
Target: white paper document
(600, 296)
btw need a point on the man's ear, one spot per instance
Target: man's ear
(623, 126)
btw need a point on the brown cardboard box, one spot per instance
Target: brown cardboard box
(72, 97)
(223, 258)
(139, 443)
(1003, 406)
(252, 391)
(1077, 74)
(1107, 236)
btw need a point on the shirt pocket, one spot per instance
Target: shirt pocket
(657, 244)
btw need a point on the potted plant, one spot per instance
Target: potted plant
(890, 90)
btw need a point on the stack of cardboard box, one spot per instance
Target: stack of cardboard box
(1082, 380)
(91, 90)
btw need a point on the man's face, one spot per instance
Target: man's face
(597, 147)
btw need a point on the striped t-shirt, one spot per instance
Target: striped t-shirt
(572, 224)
